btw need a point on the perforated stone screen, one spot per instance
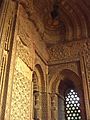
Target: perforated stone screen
(72, 106)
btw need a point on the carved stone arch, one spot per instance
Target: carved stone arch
(39, 95)
(58, 76)
(69, 75)
(67, 79)
(54, 78)
(40, 74)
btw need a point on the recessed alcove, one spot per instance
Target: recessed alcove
(71, 104)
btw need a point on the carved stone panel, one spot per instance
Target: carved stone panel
(74, 66)
(54, 108)
(68, 51)
(21, 92)
(26, 54)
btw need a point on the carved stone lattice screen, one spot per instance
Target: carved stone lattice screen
(72, 106)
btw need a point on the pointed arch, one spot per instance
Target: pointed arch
(38, 93)
(64, 80)
(40, 74)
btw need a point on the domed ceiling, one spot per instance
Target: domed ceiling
(61, 20)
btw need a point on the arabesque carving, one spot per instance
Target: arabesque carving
(67, 51)
(21, 92)
(7, 29)
(88, 60)
(20, 106)
(24, 53)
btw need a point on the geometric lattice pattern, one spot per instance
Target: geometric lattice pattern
(20, 106)
(72, 106)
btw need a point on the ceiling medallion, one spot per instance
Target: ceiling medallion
(55, 11)
(53, 19)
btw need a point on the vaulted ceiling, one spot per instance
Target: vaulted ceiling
(60, 20)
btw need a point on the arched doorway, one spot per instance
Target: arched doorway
(68, 82)
(69, 102)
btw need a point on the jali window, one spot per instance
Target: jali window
(72, 105)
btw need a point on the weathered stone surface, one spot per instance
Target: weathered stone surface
(55, 48)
